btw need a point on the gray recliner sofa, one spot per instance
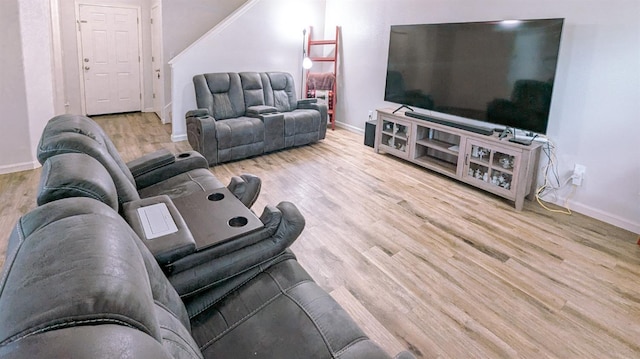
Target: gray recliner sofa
(79, 160)
(247, 114)
(157, 173)
(80, 282)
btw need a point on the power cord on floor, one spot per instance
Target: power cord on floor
(551, 169)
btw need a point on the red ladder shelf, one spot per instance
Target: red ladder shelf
(333, 92)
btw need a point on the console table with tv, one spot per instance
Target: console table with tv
(485, 161)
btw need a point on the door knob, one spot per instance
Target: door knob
(86, 59)
(86, 68)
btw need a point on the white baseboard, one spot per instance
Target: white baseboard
(348, 127)
(18, 167)
(609, 218)
(178, 138)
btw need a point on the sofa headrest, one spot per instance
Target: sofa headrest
(73, 262)
(284, 91)
(80, 134)
(252, 89)
(220, 93)
(76, 175)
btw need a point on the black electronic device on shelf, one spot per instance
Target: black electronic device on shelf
(475, 129)
(500, 72)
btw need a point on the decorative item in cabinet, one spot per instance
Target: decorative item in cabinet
(501, 179)
(480, 153)
(503, 160)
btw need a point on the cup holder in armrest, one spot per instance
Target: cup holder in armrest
(184, 155)
(216, 196)
(238, 221)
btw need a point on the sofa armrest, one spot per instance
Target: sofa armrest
(167, 248)
(273, 131)
(253, 111)
(215, 265)
(307, 101)
(201, 112)
(323, 109)
(163, 167)
(201, 133)
(150, 161)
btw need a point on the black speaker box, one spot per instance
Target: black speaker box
(369, 133)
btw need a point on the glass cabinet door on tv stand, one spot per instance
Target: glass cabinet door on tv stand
(394, 137)
(491, 167)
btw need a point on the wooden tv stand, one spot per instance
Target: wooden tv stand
(495, 165)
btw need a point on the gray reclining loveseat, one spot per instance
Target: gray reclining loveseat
(79, 282)
(247, 114)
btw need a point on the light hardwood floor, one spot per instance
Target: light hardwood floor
(423, 262)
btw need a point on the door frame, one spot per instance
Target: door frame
(138, 9)
(160, 60)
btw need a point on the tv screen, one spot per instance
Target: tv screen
(500, 72)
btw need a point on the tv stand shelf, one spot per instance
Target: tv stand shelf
(495, 165)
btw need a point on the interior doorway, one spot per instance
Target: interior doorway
(110, 60)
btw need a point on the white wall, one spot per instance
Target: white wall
(26, 78)
(595, 114)
(262, 35)
(183, 22)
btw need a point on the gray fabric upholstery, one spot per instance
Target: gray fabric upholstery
(221, 94)
(284, 91)
(270, 120)
(79, 134)
(252, 89)
(167, 248)
(77, 282)
(107, 278)
(76, 175)
(282, 226)
(156, 173)
(80, 175)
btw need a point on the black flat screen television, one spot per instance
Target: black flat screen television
(501, 72)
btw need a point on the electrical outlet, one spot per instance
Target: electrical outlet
(370, 115)
(578, 174)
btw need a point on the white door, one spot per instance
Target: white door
(110, 59)
(156, 60)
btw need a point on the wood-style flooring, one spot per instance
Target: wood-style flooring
(423, 262)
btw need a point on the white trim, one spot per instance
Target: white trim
(166, 114)
(178, 138)
(601, 215)
(160, 60)
(18, 167)
(138, 9)
(218, 28)
(348, 127)
(60, 99)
